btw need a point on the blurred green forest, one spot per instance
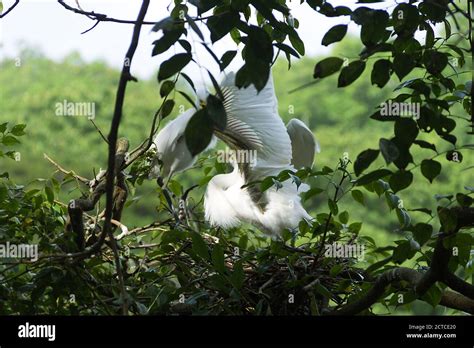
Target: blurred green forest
(339, 118)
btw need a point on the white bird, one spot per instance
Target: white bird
(253, 124)
(171, 147)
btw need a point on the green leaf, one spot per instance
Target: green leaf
(364, 159)
(216, 112)
(381, 72)
(336, 269)
(433, 296)
(220, 26)
(167, 23)
(422, 232)
(188, 80)
(296, 42)
(334, 34)
(448, 219)
(217, 257)
(198, 132)
(434, 10)
(400, 180)
(166, 88)
(49, 194)
(312, 192)
(404, 218)
(3, 127)
(18, 130)
(9, 140)
(373, 27)
(216, 86)
(238, 276)
(405, 19)
(358, 196)
(425, 145)
(186, 45)
(327, 66)
(402, 65)
(344, 217)
(372, 176)
(194, 26)
(350, 73)
(287, 49)
(168, 39)
(199, 246)
(173, 65)
(435, 61)
(406, 130)
(188, 99)
(464, 200)
(430, 169)
(226, 58)
(167, 108)
(403, 252)
(267, 183)
(389, 150)
(322, 290)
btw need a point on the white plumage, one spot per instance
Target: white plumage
(253, 124)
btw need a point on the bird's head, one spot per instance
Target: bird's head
(172, 154)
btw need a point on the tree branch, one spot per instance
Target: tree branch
(449, 299)
(114, 164)
(421, 283)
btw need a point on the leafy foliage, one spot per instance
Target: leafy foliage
(178, 264)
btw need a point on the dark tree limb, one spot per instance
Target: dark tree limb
(449, 299)
(421, 283)
(459, 285)
(115, 162)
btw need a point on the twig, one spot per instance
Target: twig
(460, 10)
(91, 28)
(326, 227)
(101, 17)
(100, 132)
(11, 8)
(67, 172)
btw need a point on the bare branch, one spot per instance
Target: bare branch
(67, 172)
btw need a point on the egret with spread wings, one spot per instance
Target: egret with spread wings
(253, 124)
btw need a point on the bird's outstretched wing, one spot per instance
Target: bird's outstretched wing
(171, 146)
(303, 142)
(253, 123)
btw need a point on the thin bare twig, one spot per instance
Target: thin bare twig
(10, 9)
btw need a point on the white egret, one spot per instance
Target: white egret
(171, 147)
(253, 124)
